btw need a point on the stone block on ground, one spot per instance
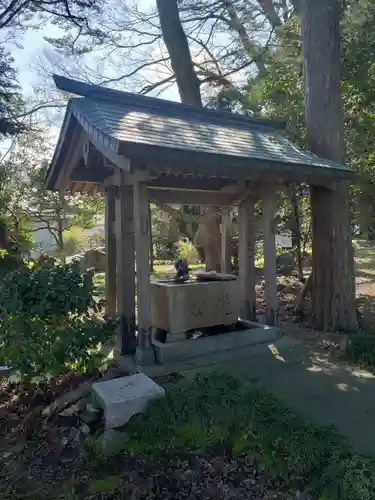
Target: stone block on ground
(94, 258)
(5, 371)
(112, 440)
(285, 263)
(123, 397)
(91, 414)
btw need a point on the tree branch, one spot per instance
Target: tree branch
(152, 86)
(39, 107)
(133, 72)
(269, 11)
(249, 46)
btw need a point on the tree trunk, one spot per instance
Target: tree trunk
(189, 88)
(296, 5)
(213, 245)
(296, 234)
(333, 286)
(269, 10)
(60, 226)
(178, 48)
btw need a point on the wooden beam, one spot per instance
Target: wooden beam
(145, 353)
(118, 160)
(88, 174)
(189, 182)
(126, 178)
(177, 197)
(74, 155)
(110, 247)
(111, 180)
(246, 251)
(269, 229)
(225, 254)
(125, 269)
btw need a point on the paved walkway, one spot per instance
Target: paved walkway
(326, 390)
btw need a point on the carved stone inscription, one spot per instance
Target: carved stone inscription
(178, 308)
(221, 306)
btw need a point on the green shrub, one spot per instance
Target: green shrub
(361, 349)
(45, 321)
(217, 408)
(108, 484)
(186, 250)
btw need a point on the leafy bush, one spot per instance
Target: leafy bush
(75, 241)
(96, 240)
(186, 250)
(9, 262)
(217, 408)
(45, 321)
(164, 252)
(361, 349)
(159, 262)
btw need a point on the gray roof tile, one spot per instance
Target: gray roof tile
(207, 139)
(134, 124)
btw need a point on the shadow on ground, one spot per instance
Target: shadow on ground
(309, 380)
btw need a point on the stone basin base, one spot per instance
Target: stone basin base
(256, 333)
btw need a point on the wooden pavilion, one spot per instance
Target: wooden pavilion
(138, 149)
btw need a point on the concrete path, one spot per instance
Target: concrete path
(315, 384)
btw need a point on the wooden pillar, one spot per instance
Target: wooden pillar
(269, 209)
(145, 352)
(225, 254)
(246, 265)
(125, 268)
(110, 250)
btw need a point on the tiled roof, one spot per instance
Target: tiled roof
(123, 118)
(144, 126)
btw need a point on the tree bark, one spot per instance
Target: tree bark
(212, 247)
(189, 88)
(296, 233)
(333, 286)
(178, 48)
(60, 227)
(269, 10)
(296, 5)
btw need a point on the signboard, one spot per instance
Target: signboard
(284, 239)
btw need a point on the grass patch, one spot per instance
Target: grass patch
(168, 269)
(105, 485)
(217, 408)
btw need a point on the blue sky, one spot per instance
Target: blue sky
(34, 48)
(34, 45)
(31, 48)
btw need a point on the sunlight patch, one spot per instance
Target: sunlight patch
(276, 352)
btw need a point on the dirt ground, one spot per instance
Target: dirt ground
(41, 461)
(365, 293)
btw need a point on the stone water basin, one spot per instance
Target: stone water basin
(180, 307)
